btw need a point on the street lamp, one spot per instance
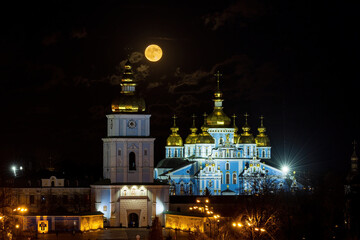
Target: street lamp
(14, 169)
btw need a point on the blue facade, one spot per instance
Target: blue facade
(219, 161)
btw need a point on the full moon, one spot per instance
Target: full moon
(153, 53)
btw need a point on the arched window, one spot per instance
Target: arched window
(175, 153)
(227, 178)
(221, 141)
(190, 188)
(248, 151)
(182, 189)
(132, 161)
(234, 178)
(173, 189)
(263, 153)
(227, 166)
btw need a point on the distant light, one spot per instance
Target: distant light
(285, 169)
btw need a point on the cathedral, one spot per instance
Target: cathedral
(220, 161)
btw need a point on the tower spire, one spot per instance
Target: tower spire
(193, 117)
(174, 117)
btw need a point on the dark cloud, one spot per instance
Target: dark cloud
(51, 39)
(79, 33)
(188, 79)
(244, 9)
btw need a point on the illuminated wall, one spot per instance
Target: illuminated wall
(185, 222)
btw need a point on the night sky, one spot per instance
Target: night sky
(295, 62)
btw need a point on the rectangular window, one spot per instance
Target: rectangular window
(119, 152)
(145, 152)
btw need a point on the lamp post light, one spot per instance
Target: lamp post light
(250, 227)
(206, 211)
(14, 169)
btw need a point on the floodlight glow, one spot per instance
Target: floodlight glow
(285, 169)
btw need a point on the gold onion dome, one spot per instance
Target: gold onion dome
(262, 140)
(246, 136)
(174, 139)
(218, 118)
(205, 137)
(128, 101)
(192, 137)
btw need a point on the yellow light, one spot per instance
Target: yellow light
(1, 217)
(14, 210)
(239, 225)
(17, 225)
(256, 229)
(234, 224)
(190, 208)
(198, 201)
(18, 209)
(261, 229)
(207, 200)
(249, 224)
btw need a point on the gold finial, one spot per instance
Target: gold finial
(262, 120)
(246, 116)
(174, 117)
(218, 75)
(205, 115)
(193, 117)
(234, 117)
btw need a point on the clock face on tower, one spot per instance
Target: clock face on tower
(131, 123)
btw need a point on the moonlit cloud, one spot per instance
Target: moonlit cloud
(188, 79)
(239, 11)
(79, 33)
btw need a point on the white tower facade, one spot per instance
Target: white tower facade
(128, 149)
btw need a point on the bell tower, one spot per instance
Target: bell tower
(128, 148)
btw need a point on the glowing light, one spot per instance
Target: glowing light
(261, 229)
(153, 53)
(285, 169)
(234, 224)
(17, 225)
(239, 225)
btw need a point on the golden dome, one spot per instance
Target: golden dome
(191, 139)
(246, 136)
(174, 139)
(262, 140)
(128, 101)
(205, 137)
(218, 118)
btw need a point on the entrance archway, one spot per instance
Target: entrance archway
(133, 220)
